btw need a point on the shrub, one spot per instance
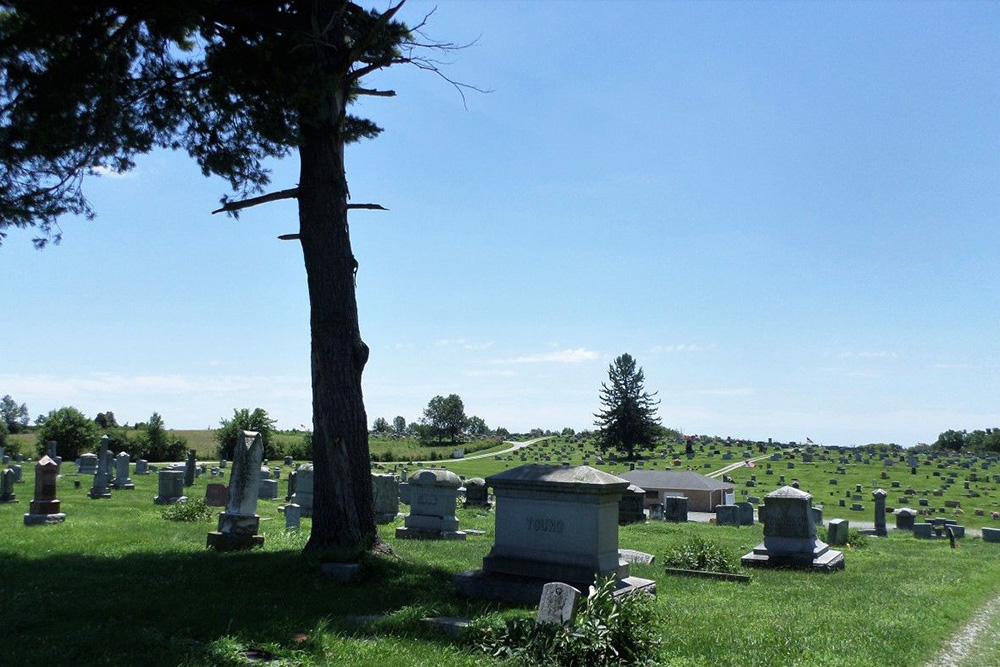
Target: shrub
(67, 426)
(607, 632)
(303, 449)
(855, 539)
(244, 420)
(192, 510)
(3, 436)
(155, 443)
(699, 554)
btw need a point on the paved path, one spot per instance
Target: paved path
(733, 466)
(514, 446)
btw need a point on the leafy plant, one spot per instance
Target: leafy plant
(74, 433)
(855, 539)
(244, 420)
(699, 554)
(192, 510)
(608, 631)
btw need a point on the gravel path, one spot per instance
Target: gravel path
(961, 645)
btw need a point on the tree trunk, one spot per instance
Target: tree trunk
(343, 507)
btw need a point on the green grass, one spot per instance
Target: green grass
(118, 584)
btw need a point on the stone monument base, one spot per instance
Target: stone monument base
(166, 500)
(386, 517)
(97, 494)
(233, 541)
(821, 557)
(40, 519)
(527, 590)
(125, 487)
(12, 498)
(404, 533)
(475, 504)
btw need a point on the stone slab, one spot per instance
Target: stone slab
(528, 590)
(339, 571)
(42, 519)
(233, 541)
(404, 533)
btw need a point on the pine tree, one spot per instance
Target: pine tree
(628, 421)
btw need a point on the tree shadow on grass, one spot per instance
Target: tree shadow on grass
(163, 608)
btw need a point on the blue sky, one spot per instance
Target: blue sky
(787, 212)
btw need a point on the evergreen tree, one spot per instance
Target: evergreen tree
(89, 85)
(628, 419)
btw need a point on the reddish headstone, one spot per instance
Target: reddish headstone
(216, 495)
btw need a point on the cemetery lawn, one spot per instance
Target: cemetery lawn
(118, 584)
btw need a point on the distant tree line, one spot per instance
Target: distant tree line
(444, 419)
(976, 442)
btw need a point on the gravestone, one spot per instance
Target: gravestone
(222, 464)
(7, 494)
(189, 468)
(51, 449)
(991, 534)
(905, 518)
(923, 530)
(558, 604)
(102, 478)
(44, 508)
(790, 535)
(216, 495)
(675, 508)
(552, 524)
(303, 496)
(141, 467)
(878, 495)
(293, 516)
(171, 487)
(817, 515)
(477, 493)
(238, 524)
(122, 480)
(433, 494)
(385, 490)
(292, 479)
(745, 511)
(630, 505)
(267, 489)
(289, 460)
(836, 532)
(17, 474)
(727, 515)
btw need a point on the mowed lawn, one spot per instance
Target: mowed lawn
(118, 584)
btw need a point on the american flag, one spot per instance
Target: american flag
(749, 464)
(809, 440)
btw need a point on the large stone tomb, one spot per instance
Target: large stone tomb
(238, 524)
(433, 494)
(45, 507)
(553, 523)
(790, 535)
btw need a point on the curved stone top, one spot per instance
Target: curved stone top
(88, 455)
(536, 474)
(435, 478)
(789, 492)
(475, 481)
(304, 467)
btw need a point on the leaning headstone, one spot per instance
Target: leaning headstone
(189, 468)
(879, 497)
(171, 487)
(558, 604)
(386, 496)
(790, 535)
(836, 532)
(675, 508)
(44, 508)
(477, 493)
(303, 496)
(122, 480)
(238, 524)
(433, 494)
(7, 494)
(102, 478)
(553, 523)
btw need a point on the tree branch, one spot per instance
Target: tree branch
(229, 207)
(374, 93)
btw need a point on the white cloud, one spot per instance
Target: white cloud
(867, 355)
(103, 170)
(576, 356)
(682, 347)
